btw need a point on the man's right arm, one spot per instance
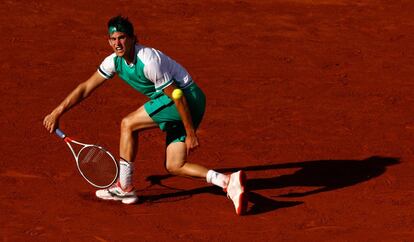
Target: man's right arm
(82, 91)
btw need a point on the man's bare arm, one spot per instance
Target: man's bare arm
(82, 91)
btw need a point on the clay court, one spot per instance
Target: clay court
(312, 98)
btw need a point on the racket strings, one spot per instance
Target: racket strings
(97, 166)
(94, 155)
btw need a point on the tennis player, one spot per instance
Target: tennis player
(154, 74)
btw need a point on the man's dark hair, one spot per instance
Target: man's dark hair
(122, 24)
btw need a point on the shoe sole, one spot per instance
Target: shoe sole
(109, 196)
(241, 210)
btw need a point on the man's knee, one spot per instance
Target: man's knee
(130, 124)
(173, 168)
(126, 124)
(175, 157)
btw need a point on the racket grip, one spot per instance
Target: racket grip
(60, 133)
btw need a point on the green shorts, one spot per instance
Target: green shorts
(164, 112)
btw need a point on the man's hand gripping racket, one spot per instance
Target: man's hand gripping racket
(94, 163)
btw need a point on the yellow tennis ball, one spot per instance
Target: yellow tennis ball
(177, 94)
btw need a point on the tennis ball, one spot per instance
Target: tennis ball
(177, 94)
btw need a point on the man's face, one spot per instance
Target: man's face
(121, 43)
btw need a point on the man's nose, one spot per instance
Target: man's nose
(116, 42)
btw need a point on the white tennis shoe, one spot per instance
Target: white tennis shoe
(236, 191)
(115, 192)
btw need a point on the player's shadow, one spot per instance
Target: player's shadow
(326, 175)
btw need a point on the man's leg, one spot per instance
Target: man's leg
(131, 125)
(176, 163)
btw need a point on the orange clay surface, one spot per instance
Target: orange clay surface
(312, 98)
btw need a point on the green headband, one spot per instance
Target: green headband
(119, 28)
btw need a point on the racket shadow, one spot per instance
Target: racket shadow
(326, 175)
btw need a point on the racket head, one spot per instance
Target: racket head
(97, 165)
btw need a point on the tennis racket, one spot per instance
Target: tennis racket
(94, 162)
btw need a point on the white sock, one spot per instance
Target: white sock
(126, 169)
(217, 179)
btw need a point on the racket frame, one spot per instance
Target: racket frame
(68, 140)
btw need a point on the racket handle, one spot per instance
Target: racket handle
(60, 133)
